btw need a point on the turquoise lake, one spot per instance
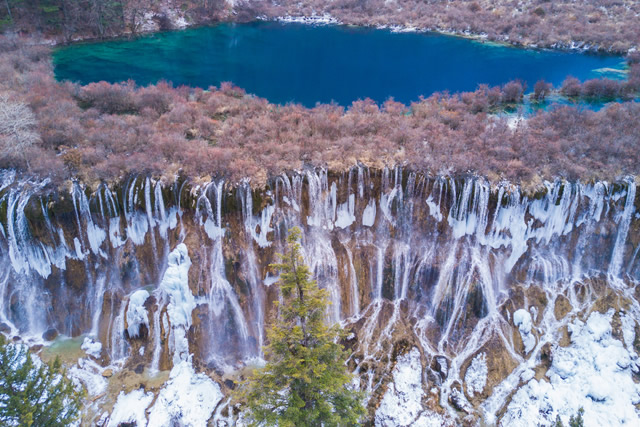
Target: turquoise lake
(309, 64)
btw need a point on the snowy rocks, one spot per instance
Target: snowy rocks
(137, 313)
(593, 373)
(522, 319)
(476, 376)
(130, 409)
(187, 398)
(402, 403)
(91, 347)
(90, 375)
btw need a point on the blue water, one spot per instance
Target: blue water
(310, 64)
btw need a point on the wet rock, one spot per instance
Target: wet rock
(440, 365)
(75, 274)
(457, 399)
(565, 339)
(562, 307)
(50, 334)
(230, 384)
(546, 358)
(107, 373)
(36, 348)
(139, 369)
(4, 328)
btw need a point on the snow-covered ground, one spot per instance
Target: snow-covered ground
(594, 373)
(476, 375)
(130, 408)
(325, 19)
(402, 403)
(187, 397)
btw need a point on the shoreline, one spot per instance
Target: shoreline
(327, 19)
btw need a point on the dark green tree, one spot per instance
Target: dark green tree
(305, 381)
(34, 394)
(576, 420)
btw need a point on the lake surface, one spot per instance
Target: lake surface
(309, 64)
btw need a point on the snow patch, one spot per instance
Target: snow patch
(402, 403)
(313, 19)
(476, 375)
(91, 347)
(89, 374)
(130, 408)
(522, 319)
(186, 399)
(594, 373)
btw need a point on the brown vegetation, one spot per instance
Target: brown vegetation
(610, 25)
(105, 131)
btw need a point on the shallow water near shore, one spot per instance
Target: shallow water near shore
(308, 64)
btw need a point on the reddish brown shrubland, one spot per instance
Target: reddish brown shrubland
(104, 131)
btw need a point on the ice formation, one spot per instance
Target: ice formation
(476, 375)
(137, 313)
(594, 373)
(187, 398)
(522, 319)
(175, 287)
(91, 347)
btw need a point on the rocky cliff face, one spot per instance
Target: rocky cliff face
(457, 292)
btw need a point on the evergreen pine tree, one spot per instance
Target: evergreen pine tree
(305, 381)
(576, 420)
(34, 394)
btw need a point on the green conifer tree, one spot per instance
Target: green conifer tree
(305, 381)
(32, 395)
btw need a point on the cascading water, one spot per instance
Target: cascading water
(405, 258)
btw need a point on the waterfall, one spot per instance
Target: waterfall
(432, 258)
